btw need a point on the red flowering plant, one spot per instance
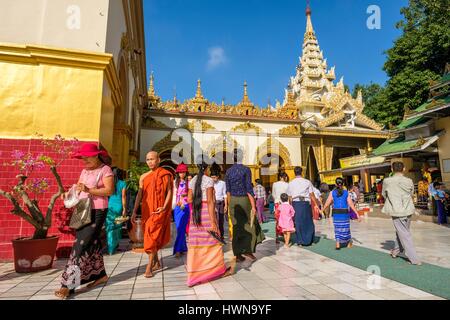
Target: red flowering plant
(25, 193)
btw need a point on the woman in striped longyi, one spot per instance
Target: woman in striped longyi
(205, 261)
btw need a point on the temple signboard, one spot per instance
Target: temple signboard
(359, 161)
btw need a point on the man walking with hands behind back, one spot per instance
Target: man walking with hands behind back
(398, 193)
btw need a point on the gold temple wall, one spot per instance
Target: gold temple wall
(57, 91)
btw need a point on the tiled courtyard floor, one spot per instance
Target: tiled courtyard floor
(279, 273)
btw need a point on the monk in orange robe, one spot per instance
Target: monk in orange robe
(155, 191)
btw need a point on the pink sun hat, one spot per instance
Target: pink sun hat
(182, 168)
(89, 150)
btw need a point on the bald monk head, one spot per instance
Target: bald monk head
(152, 159)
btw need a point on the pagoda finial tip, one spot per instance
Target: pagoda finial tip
(308, 8)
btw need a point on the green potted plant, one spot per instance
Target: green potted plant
(37, 252)
(133, 174)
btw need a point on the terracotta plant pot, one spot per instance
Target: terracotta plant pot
(34, 255)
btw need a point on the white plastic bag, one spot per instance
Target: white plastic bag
(72, 198)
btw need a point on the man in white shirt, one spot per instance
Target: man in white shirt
(278, 188)
(301, 193)
(221, 199)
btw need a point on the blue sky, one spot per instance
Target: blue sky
(224, 42)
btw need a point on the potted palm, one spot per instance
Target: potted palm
(37, 252)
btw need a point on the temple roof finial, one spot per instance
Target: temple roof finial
(175, 100)
(245, 100)
(245, 91)
(153, 99)
(151, 89)
(309, 34)
(308, 8)
(199, 89)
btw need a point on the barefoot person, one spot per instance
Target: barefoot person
(205, 261)
(286, 219)
(301, 195)
(241, 206)
(279, 188)
(155, 191)
(85, 264)
(342, 202)
(398, 191)
(181, 212)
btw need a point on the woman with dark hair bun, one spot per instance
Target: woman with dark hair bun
(341, 217)
(205, 261)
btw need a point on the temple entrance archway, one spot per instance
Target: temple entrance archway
(269, 170)
(312, 171)
(166, 161)
(224, 159)
(342, 152)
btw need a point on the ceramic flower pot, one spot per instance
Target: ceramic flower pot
(34, 255)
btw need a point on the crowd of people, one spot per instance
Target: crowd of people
(199, 206)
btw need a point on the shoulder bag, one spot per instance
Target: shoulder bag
(81, 215)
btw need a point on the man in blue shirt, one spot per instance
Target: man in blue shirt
(247, 232)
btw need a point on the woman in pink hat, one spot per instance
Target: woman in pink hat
(181, 210)
(85, 264)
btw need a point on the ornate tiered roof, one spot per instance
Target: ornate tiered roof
(311, 96)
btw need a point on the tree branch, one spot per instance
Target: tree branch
(18, 210)
(48, 217)
(32, 207)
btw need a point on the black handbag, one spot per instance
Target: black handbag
(81, 215)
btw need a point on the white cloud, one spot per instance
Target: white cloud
(217, 57)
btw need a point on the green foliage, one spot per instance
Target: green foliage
(134, 173)
(417, 56)
(374, 100)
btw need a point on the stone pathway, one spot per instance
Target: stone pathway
(279, 273)
(431, 240)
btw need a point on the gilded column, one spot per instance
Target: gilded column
(322, 155)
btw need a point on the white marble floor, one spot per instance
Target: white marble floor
(279, 273)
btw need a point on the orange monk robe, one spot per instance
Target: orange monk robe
(156, 226)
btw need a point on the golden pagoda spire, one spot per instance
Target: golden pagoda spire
(309, 34)
(151, 89)
(245, 99)
(245, 104)
(199, 102)
(153, 99)
(175, 100)
(199, 89)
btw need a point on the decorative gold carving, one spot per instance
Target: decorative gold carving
(199, 102)
(223, 143)
(273, 146)
(246, 126)
(368, 122)
(149, 122)
(124, 129)
(330, 98)
(245, 107)
(292, 130)
(153, 99)
(165, 144)
(419, 142)
(331, 119)
(125, 42)
(193, 125)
